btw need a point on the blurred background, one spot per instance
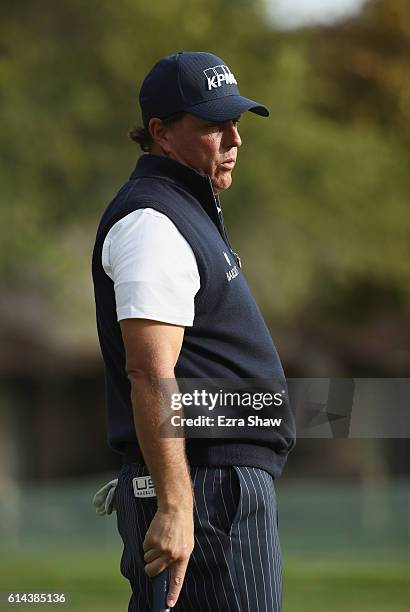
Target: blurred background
(319, 213)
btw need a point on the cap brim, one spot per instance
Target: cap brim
(226, 108)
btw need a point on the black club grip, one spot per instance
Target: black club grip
(160, 585)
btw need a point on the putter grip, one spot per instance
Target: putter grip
(160, 591)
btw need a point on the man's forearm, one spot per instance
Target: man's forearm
(164, 457)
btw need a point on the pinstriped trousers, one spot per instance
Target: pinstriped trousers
(235, 565)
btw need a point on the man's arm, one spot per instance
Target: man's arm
(152, 349)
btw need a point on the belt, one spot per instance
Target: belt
(132, 453)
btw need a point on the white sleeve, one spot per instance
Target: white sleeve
(153, 267)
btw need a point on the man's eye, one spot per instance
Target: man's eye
(219, 125)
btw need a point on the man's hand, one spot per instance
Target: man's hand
(169, 542)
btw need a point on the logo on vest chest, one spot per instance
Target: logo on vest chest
(233, 272)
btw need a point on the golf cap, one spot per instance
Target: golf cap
(195, 82)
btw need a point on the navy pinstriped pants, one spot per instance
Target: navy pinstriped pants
(236, 563)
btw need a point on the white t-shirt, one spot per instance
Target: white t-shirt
(153, 267)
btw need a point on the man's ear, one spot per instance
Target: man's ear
(159, 134)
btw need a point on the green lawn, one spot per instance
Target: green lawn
(347, 587)
(92, 583)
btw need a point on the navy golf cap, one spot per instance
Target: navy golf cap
(195, 82)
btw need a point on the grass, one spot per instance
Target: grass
(346, 587)
(92, 583)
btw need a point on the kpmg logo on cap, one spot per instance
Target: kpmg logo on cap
(218, 75)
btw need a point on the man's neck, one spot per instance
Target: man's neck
(157, 150)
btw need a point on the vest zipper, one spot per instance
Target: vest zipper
(222, 225)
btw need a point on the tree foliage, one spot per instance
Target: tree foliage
(364, 67)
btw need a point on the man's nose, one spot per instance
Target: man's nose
(232, 138)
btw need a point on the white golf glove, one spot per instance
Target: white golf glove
(103, 500)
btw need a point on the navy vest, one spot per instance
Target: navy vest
(229, 338)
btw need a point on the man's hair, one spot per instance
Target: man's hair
(141, 135)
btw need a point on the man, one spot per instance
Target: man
(172, 302)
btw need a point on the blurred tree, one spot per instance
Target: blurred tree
(364, 67)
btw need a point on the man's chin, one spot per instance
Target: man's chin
(222, 182)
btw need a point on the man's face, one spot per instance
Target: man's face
(211, 148)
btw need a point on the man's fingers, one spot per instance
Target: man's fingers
(176, 576)
(157, 566)
(151, 555)
(176, 579)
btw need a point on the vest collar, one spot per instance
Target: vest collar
(157, 166)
